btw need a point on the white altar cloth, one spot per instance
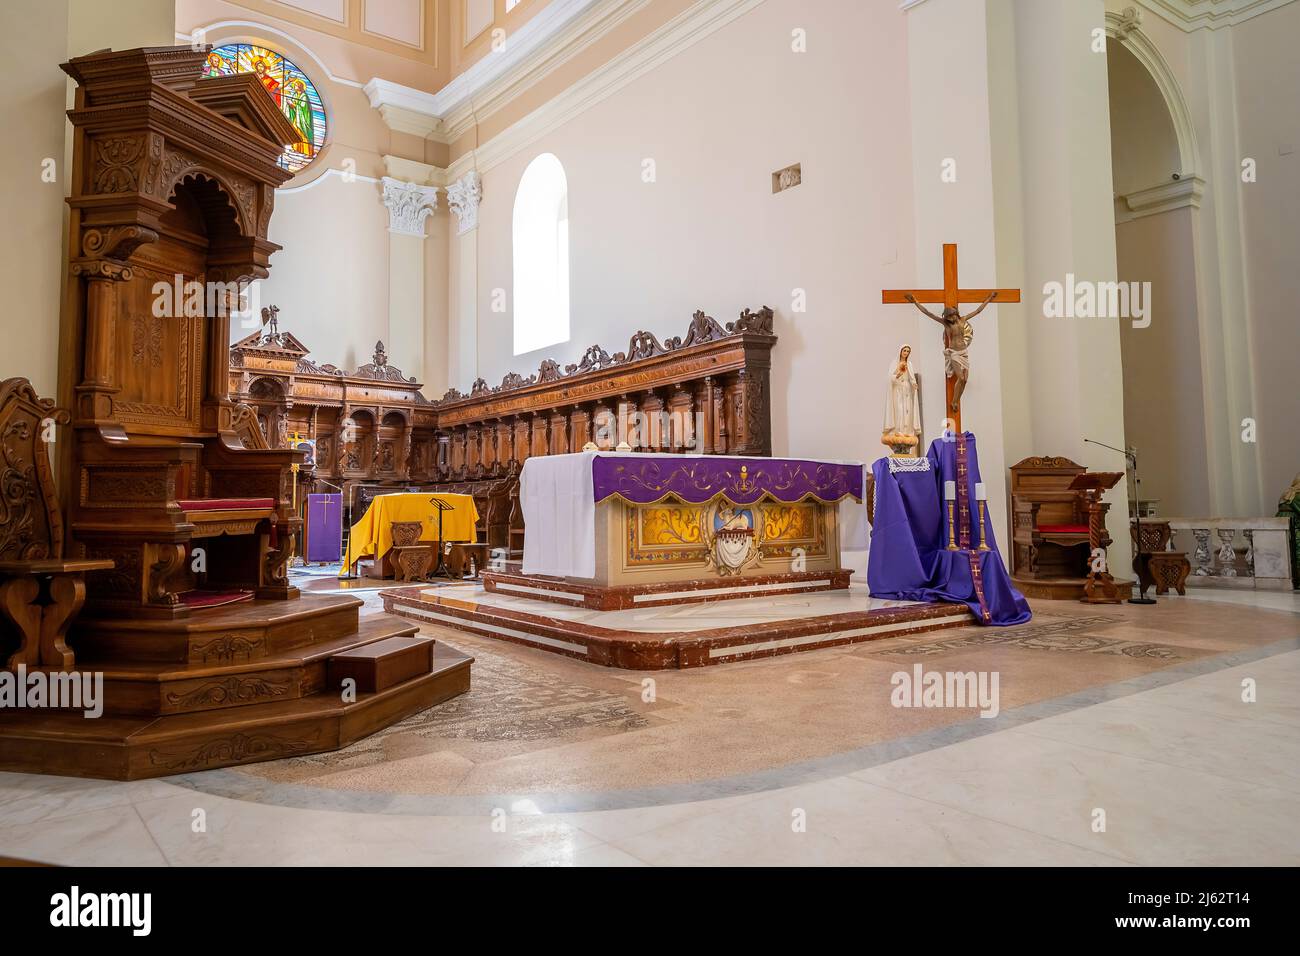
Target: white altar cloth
(557, 494)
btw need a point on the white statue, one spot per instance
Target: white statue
(902, 428)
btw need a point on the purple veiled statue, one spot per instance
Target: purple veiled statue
(909, 558)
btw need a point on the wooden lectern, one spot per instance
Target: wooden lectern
(1100, 586)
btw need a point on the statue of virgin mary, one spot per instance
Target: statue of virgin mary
(902, 428)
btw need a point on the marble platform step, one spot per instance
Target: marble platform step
(663, 594)
(690, 635)
(156, 689)
(132, 748)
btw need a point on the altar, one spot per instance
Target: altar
(372, 536)
(611, 529)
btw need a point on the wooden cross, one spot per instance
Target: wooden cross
(951, 296)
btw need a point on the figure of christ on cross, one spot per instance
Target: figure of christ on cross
(957, 330)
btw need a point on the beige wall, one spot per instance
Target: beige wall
(32, 94)
(1268, 121)
(1143, 144)
(38, 35)
(1163, 397)
(1238, 87)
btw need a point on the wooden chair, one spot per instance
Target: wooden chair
(40, 592)
(1049, 521)
(1154, 563)
(410, 556)
(167, 200)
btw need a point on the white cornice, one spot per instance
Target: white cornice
(1191, 15)
(1162, 198)
(690, 26)
(404, 109)
(557, 33)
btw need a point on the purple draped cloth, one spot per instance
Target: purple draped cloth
(646, 479)
(909, 558)
(324, 526)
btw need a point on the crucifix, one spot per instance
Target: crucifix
(957, 330)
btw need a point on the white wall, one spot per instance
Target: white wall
(331, 278)
(717, 120)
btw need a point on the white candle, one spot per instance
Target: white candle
(950, 491)
(980, 493)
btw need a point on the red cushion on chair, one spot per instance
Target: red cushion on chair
(226, 504)
(1063, 528)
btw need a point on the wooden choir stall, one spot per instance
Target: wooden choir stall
(209, 655)
(705, 392)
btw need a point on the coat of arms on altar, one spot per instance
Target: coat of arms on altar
(734, 543)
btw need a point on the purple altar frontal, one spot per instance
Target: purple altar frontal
(919, 553)
(695, 479)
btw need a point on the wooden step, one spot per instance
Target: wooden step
(157, 689)
(132, 748)
(232, 634)
(381, 664)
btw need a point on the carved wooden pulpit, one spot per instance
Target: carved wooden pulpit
(1100, 586)
(173, 183)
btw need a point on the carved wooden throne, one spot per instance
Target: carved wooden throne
(1050, 528)
(172, 189)
(173, 181)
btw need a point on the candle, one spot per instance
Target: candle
(950, 491)
(980, 493)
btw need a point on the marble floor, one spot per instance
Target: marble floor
(1122, 738)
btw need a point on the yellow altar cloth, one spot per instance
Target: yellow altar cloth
(373, 534)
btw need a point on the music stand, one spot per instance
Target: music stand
(1100, 586)
(442, 507)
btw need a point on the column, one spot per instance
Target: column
(410, 200)
(463, 197)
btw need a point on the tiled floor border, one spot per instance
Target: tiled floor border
(239, 786)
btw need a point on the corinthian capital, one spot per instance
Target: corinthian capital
(463, 197)
(409, 204)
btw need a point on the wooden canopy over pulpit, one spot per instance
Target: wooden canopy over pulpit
(173, 183)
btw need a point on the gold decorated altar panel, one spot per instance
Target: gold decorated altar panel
(672, 541)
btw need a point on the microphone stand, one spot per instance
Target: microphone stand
(1130, 458)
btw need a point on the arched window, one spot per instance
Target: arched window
(293, 93)
(541, 251)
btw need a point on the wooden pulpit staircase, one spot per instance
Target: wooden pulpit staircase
(209, 655)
